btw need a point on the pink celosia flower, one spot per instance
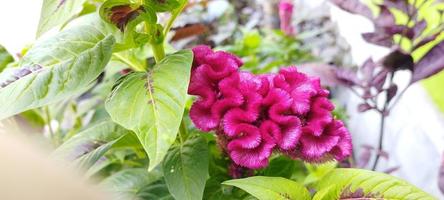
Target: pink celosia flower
(285, 14)
(255, 115)
(334, 143)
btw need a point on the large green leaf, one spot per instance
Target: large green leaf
(88, 146)
(152, 104)
(5, 58)
(271, 188)
(66, 45)
(57, 12)
(137, 183)
(186, 168)
(346, 183)
(67, 64)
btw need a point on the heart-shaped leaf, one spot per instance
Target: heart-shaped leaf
(55, 69)
(137, 183)
(88, 146)
(186, 168)
(267, 188)
(57, 12)
(152, 104)
(359, 183)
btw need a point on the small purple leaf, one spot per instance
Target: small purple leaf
(365, 156)
(391, 92)
(346, 76)
(380, 39)
(399, 29)
(385, 18)
(354, 6)
(379, 80)
(419, 28)
(401, 5)
(364, 107)
(432, 63)
(367, 69)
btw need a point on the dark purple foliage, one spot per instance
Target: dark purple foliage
(401, 5)
(432, 63)
(385, 17)
(391, 92)
(380, 39)
(419, 28)
(398, 60)
(354, 6)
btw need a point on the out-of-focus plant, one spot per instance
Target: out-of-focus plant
(413, 31)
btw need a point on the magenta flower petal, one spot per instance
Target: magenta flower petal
(319, 116)
(202, 117)
(254, 158)
(313, 148)
(291, 132)
(247, 137)
(234, 118)
(344, 147)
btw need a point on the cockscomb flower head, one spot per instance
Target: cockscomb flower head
(256, 115)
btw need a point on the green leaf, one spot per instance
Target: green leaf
(71, 61)
(57, 12)
(137, 183)
(162, 5)
(5, 58)
(283, 166)
(343, 182)
(186, 168)
(270, 188)
(152, 104)
(88, 146)
(68, 44)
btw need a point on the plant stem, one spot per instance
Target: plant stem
(173, 17)
(183, 131)
(381, 139)
(48, 123)
(158, 51)
(383, 114)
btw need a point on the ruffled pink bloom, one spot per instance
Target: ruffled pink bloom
(285, 13)
(255, 115)
(334, 143)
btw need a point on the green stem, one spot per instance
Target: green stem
(173, 17)
(158, 51)
(183, 132)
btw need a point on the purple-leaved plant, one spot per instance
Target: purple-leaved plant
(374, 80)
